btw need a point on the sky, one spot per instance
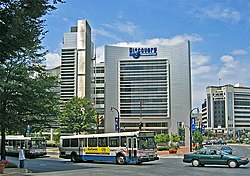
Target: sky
(218, 30)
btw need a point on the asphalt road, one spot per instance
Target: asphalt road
(165, 166)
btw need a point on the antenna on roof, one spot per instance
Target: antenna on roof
(219, 81)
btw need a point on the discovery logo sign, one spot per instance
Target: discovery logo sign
(137, 52)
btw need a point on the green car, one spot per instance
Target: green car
(214, 156)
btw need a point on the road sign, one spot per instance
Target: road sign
(193, 122)
(28, 129)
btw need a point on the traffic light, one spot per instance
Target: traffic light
(100, 120)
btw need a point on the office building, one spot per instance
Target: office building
(76, 62)
(226, 109)
(149, 85)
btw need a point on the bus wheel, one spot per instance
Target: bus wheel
(120, 159)
(73, 157)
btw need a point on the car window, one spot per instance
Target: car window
(202, 152)
(211, 152)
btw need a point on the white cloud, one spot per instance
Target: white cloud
(198, 59)
(52, 60)
(105, 33)
(218, 12)
(127, 27)
(228, 68)
(151, 42)
(234, 71)
(65, 19)
(239, 52)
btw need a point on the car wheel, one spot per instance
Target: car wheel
(120, 159)
(232, 163)
(195, 162)
(73, 157)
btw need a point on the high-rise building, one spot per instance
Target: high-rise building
(149, 86)
(76, 62)
(226, 109)
(98, 95)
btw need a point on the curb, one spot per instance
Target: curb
(15, 171)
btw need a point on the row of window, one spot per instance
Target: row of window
(143, 100)
(96, 142)
(154, 89)
(143, 78)
(164, 124)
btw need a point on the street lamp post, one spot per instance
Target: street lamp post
(140, 124)
(190, 126)
(118, 118)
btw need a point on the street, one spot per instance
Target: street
(165, 166)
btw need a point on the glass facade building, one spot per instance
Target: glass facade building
(148, 85)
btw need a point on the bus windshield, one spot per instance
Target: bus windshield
(146, 143)
(38, 143)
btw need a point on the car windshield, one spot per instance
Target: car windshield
(146, 143)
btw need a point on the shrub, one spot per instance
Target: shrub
(10, 165)
(174, 147)
(162, 148)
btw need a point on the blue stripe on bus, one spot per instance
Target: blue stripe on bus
(111, 159)
(99, 158)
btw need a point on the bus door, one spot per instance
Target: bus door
(82, 145)
(132, 148)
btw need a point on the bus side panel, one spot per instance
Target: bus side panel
(99, 158)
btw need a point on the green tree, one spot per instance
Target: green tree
(198, 138)
(208, 133)
(162, 137)
(78, 115)
(175, 138)
(182, 134)
(25, 87)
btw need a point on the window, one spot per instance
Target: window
(92, 142)
(113, 142)
(134, 141)
(6, 142)
(123, 141)
(65, 142)
(74, 142)
(102, 142)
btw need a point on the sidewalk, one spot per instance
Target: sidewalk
(180, 152)
(14, 172)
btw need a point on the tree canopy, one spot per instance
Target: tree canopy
(198, 138)
(25, 87)
(162, 137)
(22, 27)
(78, 115)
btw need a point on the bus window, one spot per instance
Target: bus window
(6, 143)
(114, 142)
(18, 144)
(10, 143)
(134, 139)
(74, 142)
(103, 142)
(22, 144)
(65, 143)
(92, 142)
(123, 141)
(14, 144)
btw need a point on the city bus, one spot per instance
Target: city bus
(121, 148)
(32, 146)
